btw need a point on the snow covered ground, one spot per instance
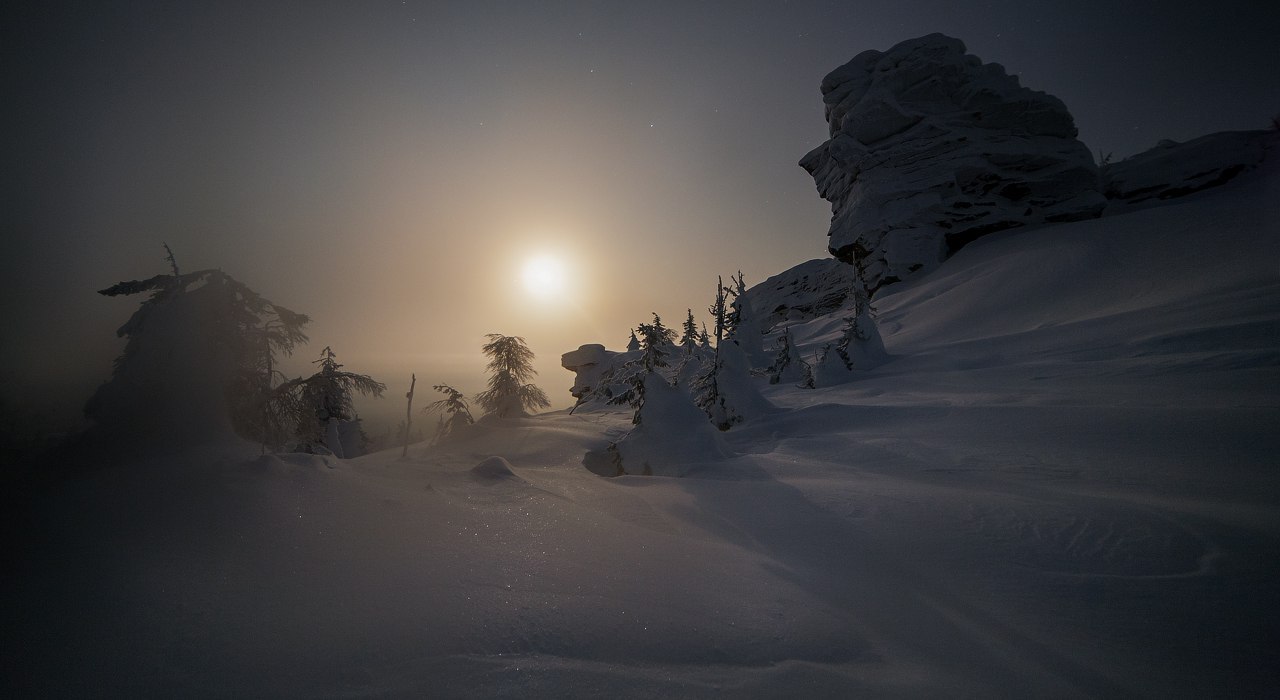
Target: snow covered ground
(1064, 484)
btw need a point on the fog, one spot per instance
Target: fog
(388, 168)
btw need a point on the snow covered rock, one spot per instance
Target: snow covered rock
(589, 363)
(1173, 169)
(931, 148)
(806, 291)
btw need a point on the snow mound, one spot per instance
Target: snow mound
(931, 148)
(1173, 169)
(672, 439)
(494, 470)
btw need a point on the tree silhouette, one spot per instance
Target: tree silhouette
(200, 359)
(454, 405)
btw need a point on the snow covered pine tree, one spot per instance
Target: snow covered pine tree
(199, 363)
(323, 410)
(509, 392)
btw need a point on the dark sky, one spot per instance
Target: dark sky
(387, 166)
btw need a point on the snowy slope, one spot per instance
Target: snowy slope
(1063, 484)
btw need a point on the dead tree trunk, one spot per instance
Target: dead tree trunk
(408, 416)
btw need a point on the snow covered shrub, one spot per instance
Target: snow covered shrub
(509, 391)
(199, 363)
(323, 413)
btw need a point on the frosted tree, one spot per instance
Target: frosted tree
(633, 343)
(707, 395)
(689, 339)
(655, 342)
(455, 413)
(734, 293)
(704, 340)
(859, 347)
(719, 311)
(509, 391)
(742, 325)
(323, 403)
(199, 361)
(787, 365)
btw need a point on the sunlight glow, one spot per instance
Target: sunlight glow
(544, 277)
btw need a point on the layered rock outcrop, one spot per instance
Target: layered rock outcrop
(806, 291)
(931, 148)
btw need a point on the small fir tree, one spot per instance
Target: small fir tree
(689, 340)
(655, 341)
(454, 411)
(787, 363)
(718, 311)
(509, 391)
(323, 400)
(633, 343)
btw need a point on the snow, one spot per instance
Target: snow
(1061, 483)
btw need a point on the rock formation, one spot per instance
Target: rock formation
(589, 363)
(931, 148)
(806, 291)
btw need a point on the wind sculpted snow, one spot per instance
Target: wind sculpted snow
(1061, 484)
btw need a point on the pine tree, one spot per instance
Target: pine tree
(325, 398)
(200, 359)
(734, 316)
(707, 395)
(859, 347)
(704, 340)
(689, 340)
(509, 392)
(454, 405)
(787, 363)
(718, 310)
(633, 343)
(655, 342)
(742, 325)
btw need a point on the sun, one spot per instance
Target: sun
(544, 276)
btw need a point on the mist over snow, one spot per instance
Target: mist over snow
(1061, 484)
(1017, 438)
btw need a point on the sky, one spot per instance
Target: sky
(390, 168)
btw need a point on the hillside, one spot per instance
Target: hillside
(1062, 484)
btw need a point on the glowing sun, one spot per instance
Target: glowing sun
(544, 276)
